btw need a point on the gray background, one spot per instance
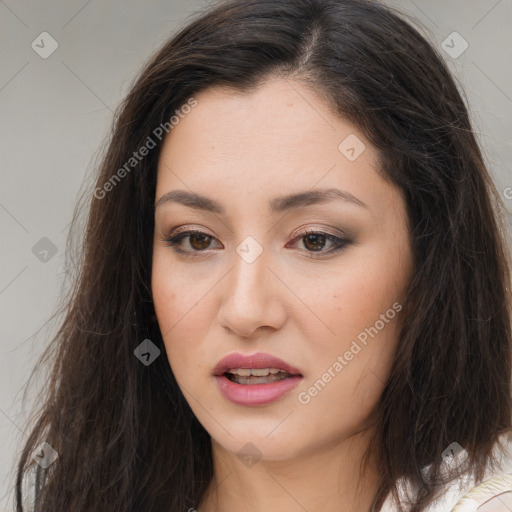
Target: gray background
(55, 113)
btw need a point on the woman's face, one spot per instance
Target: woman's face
(303, 255)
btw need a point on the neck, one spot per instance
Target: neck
(327, 479)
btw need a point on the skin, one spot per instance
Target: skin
(243, 150)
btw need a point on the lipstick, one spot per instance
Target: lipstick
(255, 379)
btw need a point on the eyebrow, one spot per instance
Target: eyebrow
(276, 205)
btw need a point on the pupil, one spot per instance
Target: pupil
(203, 241)
(318, 239)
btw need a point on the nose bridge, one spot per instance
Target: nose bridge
(249, 299)
(249, 276)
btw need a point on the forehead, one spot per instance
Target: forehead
(280, 113)
(279, 137)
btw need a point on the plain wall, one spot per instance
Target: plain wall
(55, 113)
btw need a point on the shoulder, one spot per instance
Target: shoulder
(493, 494)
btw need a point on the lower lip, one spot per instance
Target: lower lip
(255, 394)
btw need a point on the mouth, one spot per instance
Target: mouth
(249, 376)
(256, 379)
(258, 368)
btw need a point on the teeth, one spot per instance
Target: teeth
(257, 372)
(253, 379)
(244, 372)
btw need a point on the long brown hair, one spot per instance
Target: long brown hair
(126, 438)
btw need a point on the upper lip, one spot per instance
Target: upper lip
(258, 360)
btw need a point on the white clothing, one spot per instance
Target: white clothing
(462, 494)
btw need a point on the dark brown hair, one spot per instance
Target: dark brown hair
(126, 438)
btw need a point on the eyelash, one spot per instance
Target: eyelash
(174, 241)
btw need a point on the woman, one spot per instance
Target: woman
(294, 286)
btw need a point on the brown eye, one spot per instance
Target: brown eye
(200, 241)
(197, 242)
(314, 242)
(318, 244)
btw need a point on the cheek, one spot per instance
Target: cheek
(350, 303)
(361, 308)
(183, 315)
(177, 298)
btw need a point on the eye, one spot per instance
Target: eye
(313, 241)
(197, 241)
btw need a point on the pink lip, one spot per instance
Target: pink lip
(257, 360)
(254, 394)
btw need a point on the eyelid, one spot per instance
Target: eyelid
(185, 229)
(174, 238)
(303, 231)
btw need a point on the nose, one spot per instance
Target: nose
(252, 298)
